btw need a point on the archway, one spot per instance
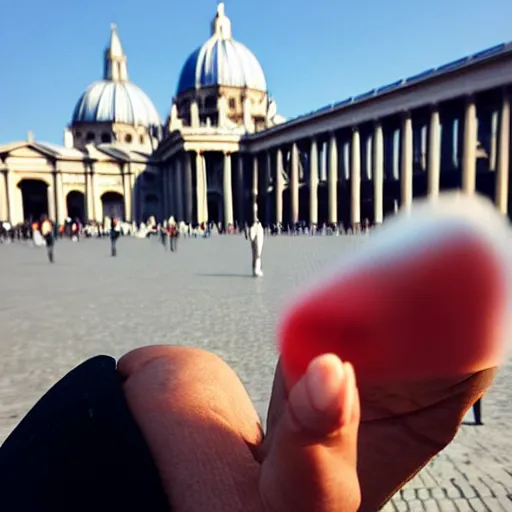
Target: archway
(75, 205)
(35, 199)
(214, 211)
(113, 205)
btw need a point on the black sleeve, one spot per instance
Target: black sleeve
(79, 449)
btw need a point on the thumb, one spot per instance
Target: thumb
(311, 461)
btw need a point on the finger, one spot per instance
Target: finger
(311, 463)
(199, 424)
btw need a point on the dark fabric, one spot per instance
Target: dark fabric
(79, 449)
(49, 239)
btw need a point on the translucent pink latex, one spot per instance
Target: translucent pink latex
(427, 296)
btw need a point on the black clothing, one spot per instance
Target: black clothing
(79, 449)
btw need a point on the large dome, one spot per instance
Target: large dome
(222, 61)
(108, 101)
(115, 99)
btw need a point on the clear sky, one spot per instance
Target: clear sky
(313, 53)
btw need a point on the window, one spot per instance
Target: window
(141, 139)
(90, 136)
(128, 138)
(232, 103)
(78, 135)
(105, 137)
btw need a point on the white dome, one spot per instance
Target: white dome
(107, 101)
(115, 99)
(222, 61)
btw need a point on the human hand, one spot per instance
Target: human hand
(416, 379)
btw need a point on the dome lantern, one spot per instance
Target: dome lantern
(115, 67)
(221, 24)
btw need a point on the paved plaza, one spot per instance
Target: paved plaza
(53, 317)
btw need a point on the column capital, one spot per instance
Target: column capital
(354, 128)
(227, 153)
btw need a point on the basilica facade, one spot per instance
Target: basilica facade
(119, 158)
(224, 153)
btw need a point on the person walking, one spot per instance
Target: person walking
(256, 235)
(47, 233)
(173, 234)
(115, 233)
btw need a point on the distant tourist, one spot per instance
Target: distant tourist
(256, 236)
(47, 233)
(115, 233)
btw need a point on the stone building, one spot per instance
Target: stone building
(224, 153)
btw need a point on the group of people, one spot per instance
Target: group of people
(45, 233)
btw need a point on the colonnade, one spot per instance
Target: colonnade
(429, 161)
(186, 188)
(427, 144)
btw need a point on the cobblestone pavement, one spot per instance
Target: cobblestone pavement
(53, 317)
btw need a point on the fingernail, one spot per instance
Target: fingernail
(347, 402)
(324, 381)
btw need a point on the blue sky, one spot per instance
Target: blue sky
(313, 53)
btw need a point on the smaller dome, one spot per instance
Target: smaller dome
(222, 61)
(107, 101)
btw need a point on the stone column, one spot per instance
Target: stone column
(469, 148)
(313, 183)
(4, 199)
(406, 174)
(59, 198)
(254, 192)
(434, 154)
(127, 193)
(294, 184)
(355, 179)
(266, 186)
(171, 189)
(240, 190)
(279, 185)
(332, 180)
(15, 200)
(205, 186)
(378, 174)
(200, 187)
(189, 201)
(502, 175)
(178, 175)
(227, 190)
(52, 213)
(90, 195)
(165, 193)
